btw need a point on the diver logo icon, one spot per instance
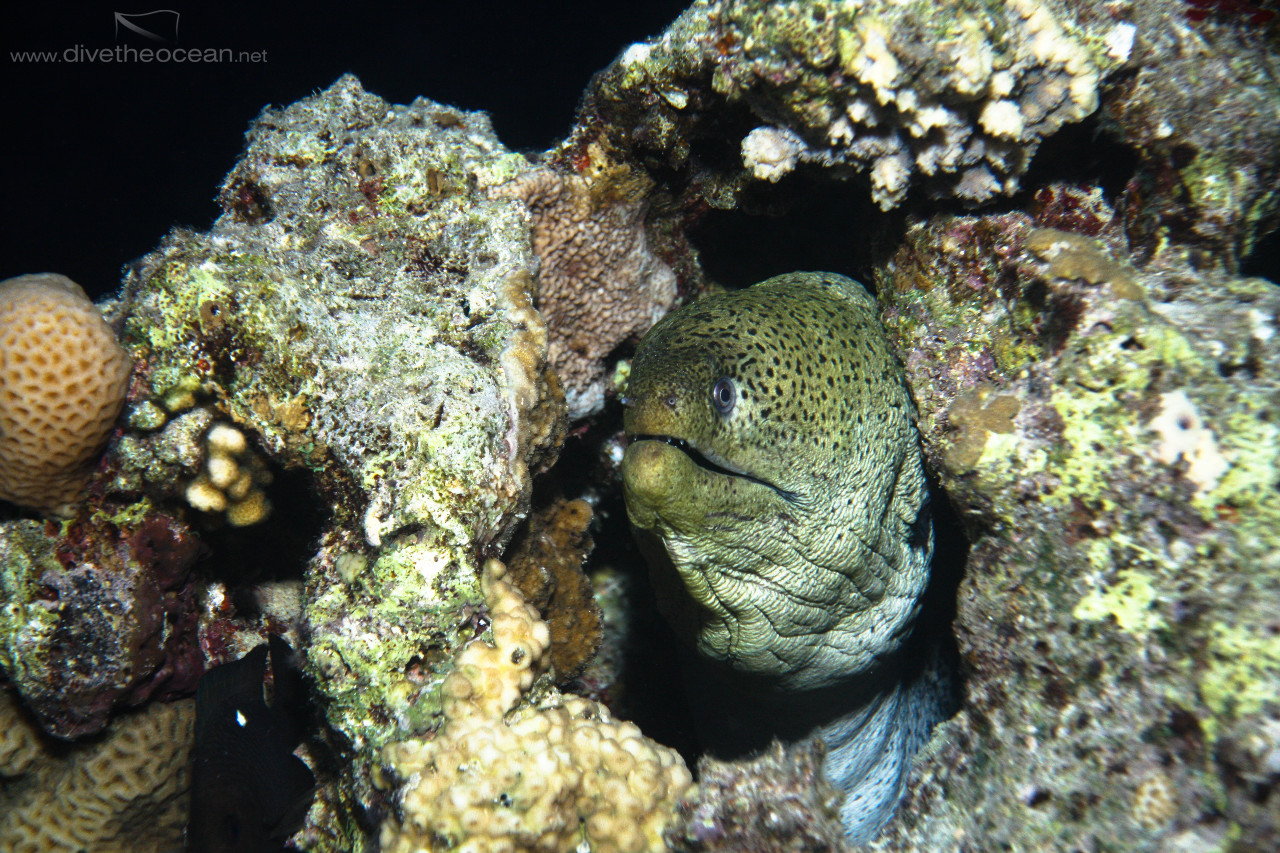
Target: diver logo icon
(160, 25)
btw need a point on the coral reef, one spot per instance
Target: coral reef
(599, 282)
(363, 312)
(544, 774)
(98, 613)
(776, 802)
(125, 792)
(62, 384)
(545, 565)
(1102, 426)
(359, 325)
(957, 98)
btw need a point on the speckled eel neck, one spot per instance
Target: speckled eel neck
(774, 455)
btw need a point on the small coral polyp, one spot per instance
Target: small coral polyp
(231, 480)
(539, 778)
(63, 379)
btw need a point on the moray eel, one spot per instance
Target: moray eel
(774, 469)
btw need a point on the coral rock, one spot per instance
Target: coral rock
(776, 802)
(100, 616)
(62, 384)
(127, 793)
(362, 315)
(1106, 430)
(956, 96)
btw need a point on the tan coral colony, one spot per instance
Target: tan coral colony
(63, 379)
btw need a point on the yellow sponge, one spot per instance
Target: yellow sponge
(63, 379)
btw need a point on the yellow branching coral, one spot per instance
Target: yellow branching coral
(231, 479)
(537, 778)
(63, 379)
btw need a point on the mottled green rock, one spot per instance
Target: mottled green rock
(1108, 435)
(363, 312)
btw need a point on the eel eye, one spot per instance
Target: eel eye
(724, 395)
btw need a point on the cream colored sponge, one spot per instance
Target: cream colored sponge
(63, 379)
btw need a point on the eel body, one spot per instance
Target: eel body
(774, 477)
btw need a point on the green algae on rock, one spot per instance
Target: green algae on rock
(1108, 436)
(362, 311)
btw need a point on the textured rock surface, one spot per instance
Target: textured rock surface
(1107, 432)
(778, 801)
(362, 313)
(97, 613)
(1202, 111)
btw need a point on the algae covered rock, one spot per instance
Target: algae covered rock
(361, 313)
(1107, 432)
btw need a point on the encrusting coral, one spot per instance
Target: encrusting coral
(126, 793)
(599, 282)
(63, 379)
(511, 772)
(545, 564)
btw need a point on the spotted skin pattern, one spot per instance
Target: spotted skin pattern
(788, 518)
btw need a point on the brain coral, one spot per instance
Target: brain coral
(62, 383)
(124, 793)
(541, 778)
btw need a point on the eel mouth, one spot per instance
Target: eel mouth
(715, 466)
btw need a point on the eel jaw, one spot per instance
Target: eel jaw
(713, 462)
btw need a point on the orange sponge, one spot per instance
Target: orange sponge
(63, 379)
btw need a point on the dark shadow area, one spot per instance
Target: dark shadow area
(1264, 260)
(1082, 154)
(109, 151)
(638, 662)
(797, 224)
(276, 548)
